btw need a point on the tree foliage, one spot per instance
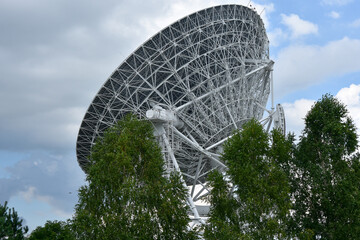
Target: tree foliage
(326, 176)
(252, 200)
(10, 224)
(128, 196)
(53, 230)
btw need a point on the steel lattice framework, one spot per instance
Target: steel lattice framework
(197, 80)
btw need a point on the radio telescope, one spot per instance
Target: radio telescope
(197, 81)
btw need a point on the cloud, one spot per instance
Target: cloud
(277, 36)
(49, 75)
(336, 2)
(300, 66)
(178, 9)
(298, 26)
(54, 130)
(295, 114)
(350, 96)
(121, 22)
(44, 177)
(334, 15)
(355, 23)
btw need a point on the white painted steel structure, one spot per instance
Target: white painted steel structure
(197, 80)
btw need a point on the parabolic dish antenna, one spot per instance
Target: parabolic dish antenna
(197, 80)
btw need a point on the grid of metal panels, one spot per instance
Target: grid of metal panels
(211, 69)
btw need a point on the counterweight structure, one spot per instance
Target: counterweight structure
(197, 80)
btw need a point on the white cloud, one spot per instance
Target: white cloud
(277, 36)
(32, 194)
(180, 8)
(300, 66)
(295, 114)
(298, 26)
(115, 24)
(334, 15)
(28, 194)
(47, 129)
(350, 96)
(34, 180)
(133, 29)
(355, 23)
(336, 2)
(29, 204)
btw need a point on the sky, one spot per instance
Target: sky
(55, 56)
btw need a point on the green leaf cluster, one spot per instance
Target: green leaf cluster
(278, 189)
(128, 195)
(251, 201)
(11, 226)
(53, 230)
(325, 173)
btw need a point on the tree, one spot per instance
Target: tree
(10, 224)
(326, 173)
(53, 230)
(252, 200)
(128, 195)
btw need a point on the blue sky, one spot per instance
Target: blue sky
(55, 55)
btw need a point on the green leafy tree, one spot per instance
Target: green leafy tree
(128, 195)
(326, 174)
(53, 230)
(10, 224)
(252, 200)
